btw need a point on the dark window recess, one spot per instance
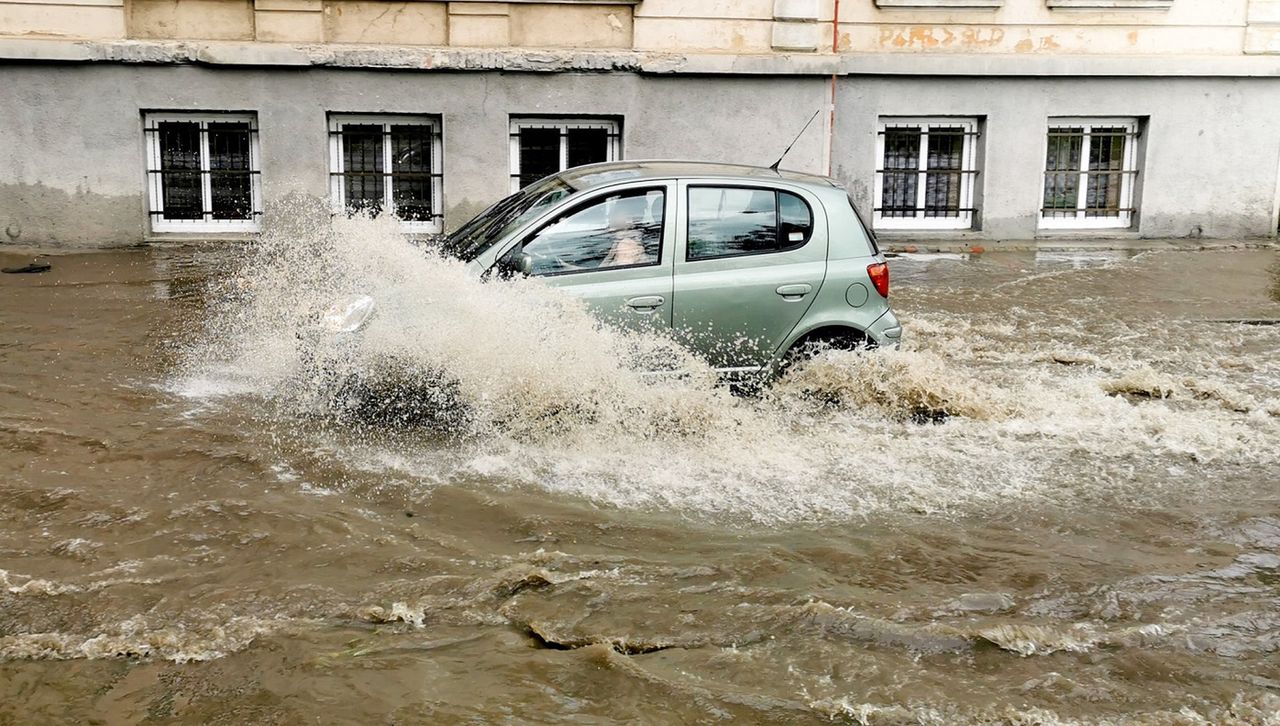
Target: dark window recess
(539, 154)
(943, 173)
(733, 221)
(1103, 168)
(1062, 170)
(201, 170)
(362, 167)
(180, 175)
(230, 174)
(1106, 172)
(901, 172)
(944, 166)
(411, 179)
(587, 146)
(389, 165)
(546, 147)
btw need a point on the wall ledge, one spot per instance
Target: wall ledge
(542, 60)
(555, 2)
(1109, 4)
(940, 4)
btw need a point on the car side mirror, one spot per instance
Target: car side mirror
(515, 264)
(524, 263)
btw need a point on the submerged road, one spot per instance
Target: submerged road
(1058, 503)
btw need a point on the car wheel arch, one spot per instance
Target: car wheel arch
(832, 332)
(833, 335)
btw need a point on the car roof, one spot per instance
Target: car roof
(591, 176)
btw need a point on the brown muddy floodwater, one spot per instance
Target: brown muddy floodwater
(1058, 503)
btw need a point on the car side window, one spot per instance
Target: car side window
(616, 231)
(733, 221)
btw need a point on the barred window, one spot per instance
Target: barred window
(1090, 169)
(388, 163)
(543, 146)
(927, 173)
(203, 172)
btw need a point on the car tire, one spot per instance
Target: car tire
(815, 343)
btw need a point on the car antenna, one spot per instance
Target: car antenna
(775, 164)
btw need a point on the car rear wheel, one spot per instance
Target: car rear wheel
(819, 341)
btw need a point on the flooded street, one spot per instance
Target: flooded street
(1058, 503)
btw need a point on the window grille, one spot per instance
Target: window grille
(203, 172)
(543, 146)
(388, 163)
(927, 173)
(1090, 169)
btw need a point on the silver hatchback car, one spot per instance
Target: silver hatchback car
(747, 266)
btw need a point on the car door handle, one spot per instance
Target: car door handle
(646, 303)
(795, 291)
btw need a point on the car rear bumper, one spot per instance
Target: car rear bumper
(886, 330)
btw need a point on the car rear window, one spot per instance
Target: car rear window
(733, 221)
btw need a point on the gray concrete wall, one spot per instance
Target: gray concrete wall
(1212, 146)
(72, 164)
(72, 169)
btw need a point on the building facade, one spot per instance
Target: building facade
(123, 121)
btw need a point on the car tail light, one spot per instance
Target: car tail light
(879, 274)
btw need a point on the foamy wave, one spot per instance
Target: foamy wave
(1026, 640)
(897, 384)
(1257, 710)
(136, 638)
(19, 584)
(511, 358)
(516, 384)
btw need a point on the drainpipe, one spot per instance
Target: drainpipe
(835, 53)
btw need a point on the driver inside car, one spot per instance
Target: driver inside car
(626, 224)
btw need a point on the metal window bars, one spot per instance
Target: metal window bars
(927, 173)
(1105, 178)
(202, 171)
(382, 162)
(1090, 167)
(541, 147)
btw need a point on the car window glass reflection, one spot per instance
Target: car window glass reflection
(733, 221)
(621, 230)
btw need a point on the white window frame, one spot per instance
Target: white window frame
(968, 165)
(564, 124)
(1123, 219)
(338, 182)
(155, 181)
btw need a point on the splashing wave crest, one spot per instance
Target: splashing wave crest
(519, 386)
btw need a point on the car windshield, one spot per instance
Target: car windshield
(478, 235)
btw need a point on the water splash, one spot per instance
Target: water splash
(138, 638)
(513, 383)
(479, 359)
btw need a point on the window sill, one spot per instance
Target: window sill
(205, 230)
(923, 225)
(1088, 233)
(909, 234)
(189, 237)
